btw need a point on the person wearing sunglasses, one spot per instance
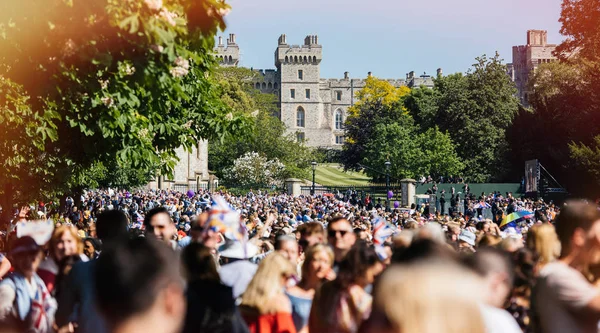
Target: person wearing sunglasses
(341, 238)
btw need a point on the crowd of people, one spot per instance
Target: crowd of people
(168, 261)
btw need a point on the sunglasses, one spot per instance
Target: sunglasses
(333, 233)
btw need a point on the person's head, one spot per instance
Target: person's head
(111, 227)
(158, 223)
(542, 239)
(578, 230)
(426, 297)
(340, 236)
(269, 280)
(312, 233)
(288, 247)
(495, 267)
(488, 240)
(421, 250)
(65, 242)
(317, 261)
(90, 247)
(511, 244)
(25, 256)
(199, 263)
(431, 231)
(138, 284)
(360, 266)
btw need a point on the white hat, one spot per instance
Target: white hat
(235, 250)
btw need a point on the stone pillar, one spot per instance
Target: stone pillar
(408, 191)
(292, 186)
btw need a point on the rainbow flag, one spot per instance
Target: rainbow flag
(512, 219)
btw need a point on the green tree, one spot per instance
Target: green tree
(581, 26)
(106, 81)
(587, 157)
(475, 109)
(267, 136)
(379, 102)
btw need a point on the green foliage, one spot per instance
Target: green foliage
(587, 157)
(411, 154)
(113, 82)
(475, 110)
(378, 103)
(581, 25)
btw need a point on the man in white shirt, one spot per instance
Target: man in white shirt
(563, 299)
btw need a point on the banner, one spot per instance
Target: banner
(532, 176)
(40, 230)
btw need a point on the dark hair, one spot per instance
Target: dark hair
(356, 262)
(130, 275)
(574, 215)
(64, 267)
(490, 260)
(423, 249)
(95, 243)
(311, 228)
(111, 225)
(199, 263)
(151, 213)
(336, 220)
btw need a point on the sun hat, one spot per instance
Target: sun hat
(467, 237)
(235, 250)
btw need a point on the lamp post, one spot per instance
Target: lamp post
(314, 168)
(387, 185)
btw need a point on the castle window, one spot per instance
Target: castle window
(230, 59)
(275, 85)
(264, 85)
(300, 75)
(292, 93)
(270, 85)
(308, 93)
(339, 120)
(338, 95)
(300, 136)
(314, 58)
(295, 58)
(286, 59)
(339, 139)
(300, 117)
(305, 59)
(257, 85)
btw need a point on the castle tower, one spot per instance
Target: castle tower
(302, 111)
(229, 56)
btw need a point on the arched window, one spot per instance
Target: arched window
(339, 120)
(305, 59)
(300, 117)
(295, 58)
(309, 59)
(275, 85)
(270, 85)
(264, 85)
(314, 58)
(257, 85)
(230, 59)
(286, 59)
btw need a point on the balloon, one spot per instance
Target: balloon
(390, 194)
(396, 204)
(190, 193)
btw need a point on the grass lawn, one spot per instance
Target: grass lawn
(333, 174)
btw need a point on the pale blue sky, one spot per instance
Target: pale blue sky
(390, 37)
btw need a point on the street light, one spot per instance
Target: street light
(387, 185)
(314, 168)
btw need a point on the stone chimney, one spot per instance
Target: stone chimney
(231, 39)
(220, 40)
(369, 74)
(346, 75)
(440, 72)
(282, 40)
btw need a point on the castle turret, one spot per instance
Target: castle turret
(228, 56)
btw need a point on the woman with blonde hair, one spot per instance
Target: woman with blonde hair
(264, 306)
(542, 239)
(65, 242)
(316, 268)
(426, 297)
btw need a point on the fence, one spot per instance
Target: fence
(187, 187)
(375, 191)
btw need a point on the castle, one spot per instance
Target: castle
(312, 108)
(526, 58)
